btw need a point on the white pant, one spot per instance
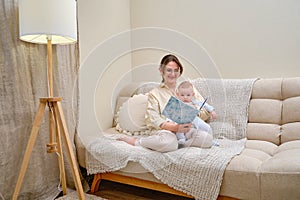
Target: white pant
(201, 125)
(165, 141)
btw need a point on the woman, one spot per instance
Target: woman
(165, 139)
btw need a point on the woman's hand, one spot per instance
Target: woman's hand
(171, 126)
(184, 128)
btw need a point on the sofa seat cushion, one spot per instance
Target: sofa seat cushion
(285, 160)
(289, 145)
(256, 152)
(241, 177)
(262, 164)
(280, 175)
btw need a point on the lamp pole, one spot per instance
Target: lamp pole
(50, 75)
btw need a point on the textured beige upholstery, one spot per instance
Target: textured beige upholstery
(269, 166)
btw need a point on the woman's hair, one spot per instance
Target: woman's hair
(169, 58)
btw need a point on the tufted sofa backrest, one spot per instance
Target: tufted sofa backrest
(274, 110)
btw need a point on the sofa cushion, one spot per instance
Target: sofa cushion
(290, 132)
(265, 111)
(290, 110)
(251, 158)
(266, 147)
(146, 87)
(288, 146)
(280, 174)
(131, 115)
(264, 171)
(290, 87)
(119, 103)
(286, 161)
(264, 132)
(267, 89)
(264, 114)
(241, 179)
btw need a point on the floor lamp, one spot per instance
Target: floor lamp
(50, 22)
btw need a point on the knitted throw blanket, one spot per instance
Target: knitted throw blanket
(230, 98)
(195, 171)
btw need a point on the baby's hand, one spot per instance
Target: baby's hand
(213, 115)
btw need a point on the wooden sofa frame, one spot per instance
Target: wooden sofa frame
(139, 183)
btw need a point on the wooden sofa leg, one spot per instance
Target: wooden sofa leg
(137, 182)
(96, 183)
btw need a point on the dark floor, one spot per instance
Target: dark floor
(118, 191)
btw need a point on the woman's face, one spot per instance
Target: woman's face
(170, 73)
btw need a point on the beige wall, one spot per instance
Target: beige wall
(228, 39)
(105, 63)
(244, 38)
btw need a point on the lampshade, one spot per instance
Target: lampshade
(42, 19)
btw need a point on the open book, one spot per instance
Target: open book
(180, 112)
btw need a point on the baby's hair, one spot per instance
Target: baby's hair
(185, 84)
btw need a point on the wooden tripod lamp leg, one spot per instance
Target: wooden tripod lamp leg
(68, 144)
(61, 155)
(29, 148)
(52, 145)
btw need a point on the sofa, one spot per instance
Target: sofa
(267, 168)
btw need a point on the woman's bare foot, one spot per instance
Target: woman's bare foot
(128, 140)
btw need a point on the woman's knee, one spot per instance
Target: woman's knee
(164, 141)
(200, 139)
(167, 146)
(206, 140)
(168, 142)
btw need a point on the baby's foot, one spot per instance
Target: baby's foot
(181, 141)
(215, 143)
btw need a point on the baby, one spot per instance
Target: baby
(185, 92)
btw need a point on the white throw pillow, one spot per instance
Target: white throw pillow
(131, 116)
(119, 103)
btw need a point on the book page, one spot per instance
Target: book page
(179, 112)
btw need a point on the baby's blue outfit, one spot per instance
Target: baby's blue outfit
(198, 123)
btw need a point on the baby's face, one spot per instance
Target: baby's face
(185, 94)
